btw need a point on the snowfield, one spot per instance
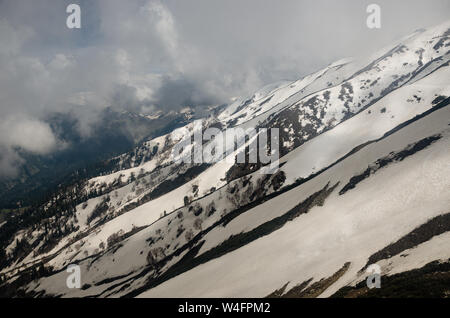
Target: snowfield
(347, 228)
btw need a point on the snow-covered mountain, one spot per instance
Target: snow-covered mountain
(364, 179)
(114, 133)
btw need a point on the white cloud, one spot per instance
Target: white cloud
(23, 134)
(29, 134)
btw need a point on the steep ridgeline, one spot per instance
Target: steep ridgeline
(364, 164)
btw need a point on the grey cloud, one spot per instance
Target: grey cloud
(176, 93)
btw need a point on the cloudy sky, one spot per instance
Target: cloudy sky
(144, 55)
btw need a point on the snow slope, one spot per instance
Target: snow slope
(135, 228)
(347, 228)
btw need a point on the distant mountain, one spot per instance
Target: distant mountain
(115, 133)
(363, 180)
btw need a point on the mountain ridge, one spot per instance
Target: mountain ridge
(153, 217)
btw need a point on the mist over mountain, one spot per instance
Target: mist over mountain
(35, 176)
(149, 55)
(362, 181)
